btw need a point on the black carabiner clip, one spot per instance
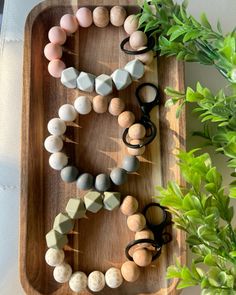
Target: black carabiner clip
(145, 120)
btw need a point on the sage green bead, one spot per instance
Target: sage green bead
(75, 208)
(111, 200)
(63, 223)
(118, 176)
(93, 201)
(56, 240)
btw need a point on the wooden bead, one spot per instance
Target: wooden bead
(136, 222)
(138, 39)
(101, 17)
(136, 152)
(129, 206)
(131, 24)
(130, 271)
(100, 104)
(116, 106)
(146, 58)
(117, 16)
(144, 234)
(137, 131)
(126, 119)
(142, 257)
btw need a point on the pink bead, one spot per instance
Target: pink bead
(84, 17)
(55, 68)
(52, 51)
(69, 23)
(57, 35)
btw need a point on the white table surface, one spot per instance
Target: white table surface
(11, 45)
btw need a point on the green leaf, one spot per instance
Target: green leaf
(205, 21)
(192, 96)
(206, 233)
(185, 284)
(210, 260)
(173, 272)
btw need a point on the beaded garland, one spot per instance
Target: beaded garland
(103, 84)
(113, 278)
(68, 113)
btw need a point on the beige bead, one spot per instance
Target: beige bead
(117, 16)
(113, 278)
(131, 24)
(100, 104)
(142, 257)
(138, 39)
(146, 58)
(96, 281)
(129, 206)
(130, 271)
(144, 234)
(137, 131)
(136, 152)
(101, 17)
(136, 222)
(116, 106)
(126, 119)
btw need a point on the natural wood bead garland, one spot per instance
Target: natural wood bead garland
(68, 113)
(103, 84)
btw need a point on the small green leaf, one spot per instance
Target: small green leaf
(205, 21)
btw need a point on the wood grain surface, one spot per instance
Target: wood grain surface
(97, 242)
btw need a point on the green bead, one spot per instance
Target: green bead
(75, 208)
(56, 240)
(93, 201)
(63, 223)
(111, 200)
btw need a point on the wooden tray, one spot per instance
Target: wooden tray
(102, 237)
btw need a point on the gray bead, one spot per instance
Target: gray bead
(86, 82)
(118, 176)
(102, 182)
(121, 79)
(85, 181)
(135, 68)
(69, 77)
(69, 174)
(130, 163)
(103, 84)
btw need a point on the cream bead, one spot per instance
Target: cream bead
(131, 24)
(101, 17)
(55, 68)
(54, 257)
(84, 17)
(57, 35)
(129, 205)
(146, 58)
(136, 222)
(100, 104)
(67, 113)
(57, 161)
(142, 257)
(113, 278)
(53, 144)
(56, 126)
(138, 151)
(52, 51)
(130, 271)
(96, 281)
(62, 273)
(78, 282)
(137, 131)
(83, 105)
(126, 119)
(138, 39)
(116, 106)
(69, 23)
(117, 16)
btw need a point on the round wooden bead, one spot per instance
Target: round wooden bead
(100, 104)
(138, 151)
(57, 35)
(67, 113)
(116, 106)
(55, 68)
(84, 17)
(69, 174)
(96, 281)
(142, 257)
(129, 206)
(54, 257)
(62, 273)
(136, 222)
(85, 181)
(102, 182)
(130, 271)
(117, 16)
(146, 58)
(130, 163)
(126, 119)
(144, 234)
(131, 24)
(138, 39)
(69, 23)
(137, 131)
(113, 278)
(56, 126)
(118, 176)
(52, 51)
(78, 282)
(57, 161)
(83, 105)
(101, 17)
(53, 144)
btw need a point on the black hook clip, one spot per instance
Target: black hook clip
(146, 108)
